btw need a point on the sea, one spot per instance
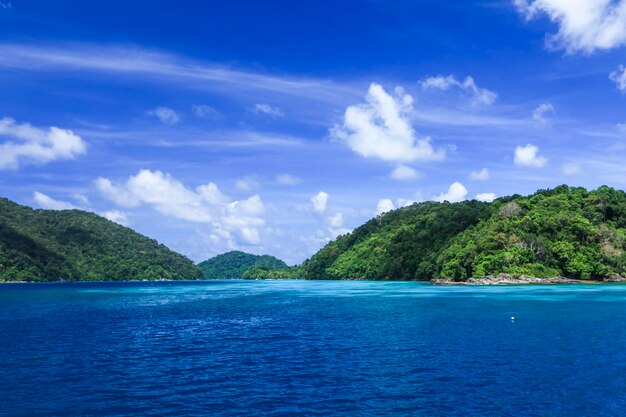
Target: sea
(311, 348)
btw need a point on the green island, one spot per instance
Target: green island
(555, 235)
(237, 265)
(75, 245)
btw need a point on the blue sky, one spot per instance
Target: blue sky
(272, 127)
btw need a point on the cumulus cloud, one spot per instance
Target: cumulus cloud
(619, 78)
(264, 108)
(486, 197)
(203, 111)
(571, 169)
(584, 25)
(456, 192)
(468, 86)
(286, 179)
(381, 128)
(26, 144)
(541, 115)
(205, 204)
(165, 115)
(116, 216)
(384, 205)
(404, 173)
(528, 156)
(482, 175)
(46, 202)
(320, 200)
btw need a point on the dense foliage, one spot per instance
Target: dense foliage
(402, 244)
(260, 272)
(49, 245)
(565, 231)
(561, 232)
(234, 264)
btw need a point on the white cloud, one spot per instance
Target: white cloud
(542, 112)
(46, 202)
(403, 202)
(482, 175)
(269, 110)
(286, 179)
(486, 197)
(384, 205)
(165, 115)
(619, 77)
(247, 183)
(584, 25)
(528, 156)
(335, 221)
(319, 201)
(404, 173)
(468, 86)
(81, 198)
(571, 169)
(206, 204)
(116, 216)
(456, 192)
(203, 111)
(36, 146)
(381, 128)
(142, 63)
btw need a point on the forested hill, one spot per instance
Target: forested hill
(50, 245)
(562, 232)
(234, 264)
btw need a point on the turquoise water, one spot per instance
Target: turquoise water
(284, 348)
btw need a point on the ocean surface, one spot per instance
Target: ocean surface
(287, 348)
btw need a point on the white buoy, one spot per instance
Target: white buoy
(512, 318)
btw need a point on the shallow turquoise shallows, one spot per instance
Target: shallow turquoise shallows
(286, 348)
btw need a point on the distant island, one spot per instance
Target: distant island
(238, 265)
(555, 235)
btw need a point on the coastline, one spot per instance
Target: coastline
(505, 279)
(490, 280)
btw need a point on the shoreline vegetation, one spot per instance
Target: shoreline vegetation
(500, 280)
(537, 239)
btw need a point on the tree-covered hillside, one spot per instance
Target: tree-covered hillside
(401, 245)
(234, 264)
(566, 232)
(50, 245)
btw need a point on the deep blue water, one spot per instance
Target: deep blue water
(284, 348)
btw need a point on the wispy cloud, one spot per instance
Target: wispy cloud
(132, 60)
(204, 111)
(265, 108)
(541, 114)
(468, 86)
(619, 78)
(165, 115)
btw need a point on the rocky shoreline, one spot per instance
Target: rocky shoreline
(505, 279)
